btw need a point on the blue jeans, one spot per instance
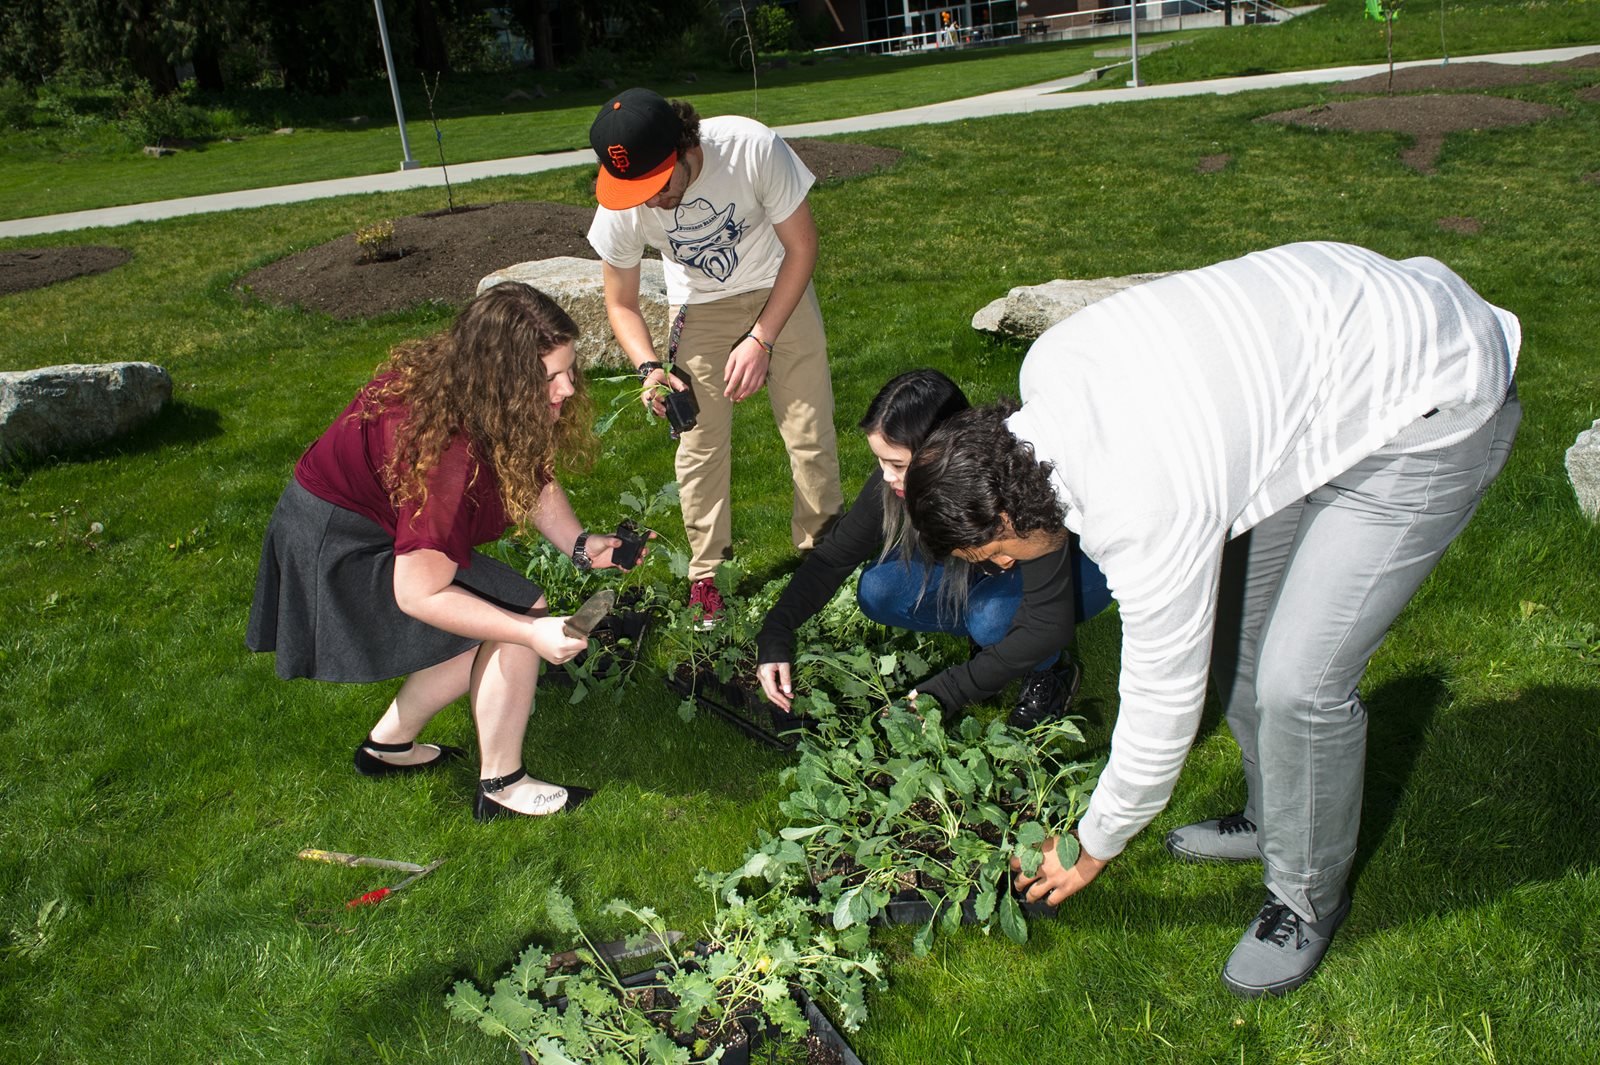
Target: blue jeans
(888, 595)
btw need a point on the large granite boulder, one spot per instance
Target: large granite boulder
(57, 407)
(1029, 310)
(577, 285)
(1583, 470)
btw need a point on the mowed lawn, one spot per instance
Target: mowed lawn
(161, 779)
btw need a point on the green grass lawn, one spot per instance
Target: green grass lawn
(161, 779)
(45, 174)
(53, 172)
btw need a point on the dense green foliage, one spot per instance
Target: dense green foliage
(160, 779)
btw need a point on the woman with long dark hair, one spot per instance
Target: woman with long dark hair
(1020, 620)
(369, 572)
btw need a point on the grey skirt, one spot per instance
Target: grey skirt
(325, 604)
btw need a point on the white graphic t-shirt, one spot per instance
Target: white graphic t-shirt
(719, 241)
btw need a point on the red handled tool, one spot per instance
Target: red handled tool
(384, 892)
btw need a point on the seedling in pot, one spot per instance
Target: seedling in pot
(626, 555)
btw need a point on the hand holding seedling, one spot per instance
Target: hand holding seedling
(1054, 881)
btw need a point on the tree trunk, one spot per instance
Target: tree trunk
(207, 66)
(430, 53)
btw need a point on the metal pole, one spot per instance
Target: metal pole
(1133, 21)
(394, 89)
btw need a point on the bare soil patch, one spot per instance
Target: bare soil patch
(1592, 178)
(447, 253)
(1591, 95)
(1451, 76)
(1586, 61)
(1211, 164)
(1426, 119)
(1462, 224)
(26, 268)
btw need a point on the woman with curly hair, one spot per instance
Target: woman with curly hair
(368, 570)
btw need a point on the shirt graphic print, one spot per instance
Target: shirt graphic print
(706, 239)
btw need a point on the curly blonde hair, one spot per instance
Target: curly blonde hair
(483, 377)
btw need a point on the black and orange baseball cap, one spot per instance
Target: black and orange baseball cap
(635, 137)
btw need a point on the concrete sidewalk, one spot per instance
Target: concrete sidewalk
(1046, 96)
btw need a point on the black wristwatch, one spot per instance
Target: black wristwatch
(647, 368)
(579, 557)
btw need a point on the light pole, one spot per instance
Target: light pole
(407, 163)
(1133, 22)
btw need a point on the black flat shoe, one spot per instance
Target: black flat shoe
(368, 766)
(487, 809)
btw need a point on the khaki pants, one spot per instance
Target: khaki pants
(801, 393)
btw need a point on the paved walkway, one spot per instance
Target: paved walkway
(1046, 96)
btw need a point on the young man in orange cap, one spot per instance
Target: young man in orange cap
(724, 200)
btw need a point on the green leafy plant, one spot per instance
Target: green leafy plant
(377, 242)
(736, 981)
(890, 801)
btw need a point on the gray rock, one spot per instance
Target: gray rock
(1583, 470)
(577, 285)
(44, 411)
(159, 151)
(514, 95)
(1029, 310)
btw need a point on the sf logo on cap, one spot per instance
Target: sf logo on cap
(619, 158)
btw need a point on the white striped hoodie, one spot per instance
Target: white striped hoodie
(1182, 412)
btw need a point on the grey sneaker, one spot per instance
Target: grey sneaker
(1221, 839)
(1280, 950)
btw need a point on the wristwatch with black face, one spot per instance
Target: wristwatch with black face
(580, 558)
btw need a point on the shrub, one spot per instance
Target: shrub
(376, 242)
(149, 118)
(16, 106)
(773, 28)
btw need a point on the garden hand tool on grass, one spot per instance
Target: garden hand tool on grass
(587, 616)
(354, 860)
(616, 950)
(384, 892)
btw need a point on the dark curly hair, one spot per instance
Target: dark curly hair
(689, 135)
(970, 476)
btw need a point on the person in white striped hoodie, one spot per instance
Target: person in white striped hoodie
(1327, 420)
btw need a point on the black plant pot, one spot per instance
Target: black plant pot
(630, 625)
(626, 555)
(909, 907)
(683, 409)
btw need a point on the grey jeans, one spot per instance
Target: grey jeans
(1307, 597)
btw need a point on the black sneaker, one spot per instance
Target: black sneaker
(1046, 695)
(1280, 950)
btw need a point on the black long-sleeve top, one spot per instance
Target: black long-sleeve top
(1042, 626)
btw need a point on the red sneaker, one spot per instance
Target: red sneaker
(705, 602)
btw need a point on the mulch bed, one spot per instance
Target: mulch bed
(446, 254)
(27, 268)
(1426, 119)
(1452, 76)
